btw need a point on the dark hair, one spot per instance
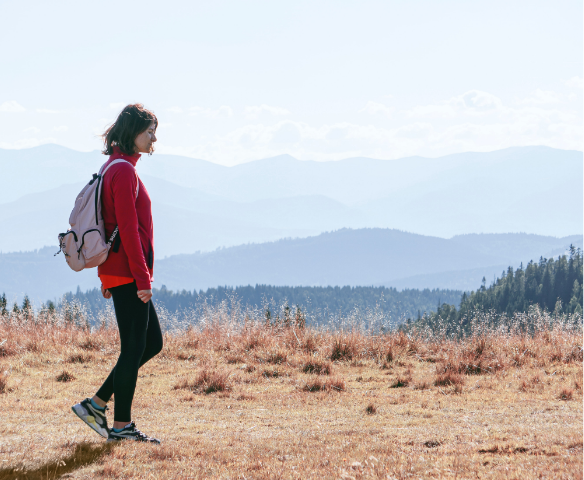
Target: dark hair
(131, 122)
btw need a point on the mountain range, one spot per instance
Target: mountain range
(199, 206)
(380, 257)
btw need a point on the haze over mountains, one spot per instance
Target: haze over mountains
(200, 206)
(345, 257)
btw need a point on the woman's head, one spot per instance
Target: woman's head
(133, 131)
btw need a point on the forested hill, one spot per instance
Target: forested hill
(398, 305)
(376, 256)
(553, 285)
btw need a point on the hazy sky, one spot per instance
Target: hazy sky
(232, 81)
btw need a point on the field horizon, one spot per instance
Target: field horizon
(238, 397)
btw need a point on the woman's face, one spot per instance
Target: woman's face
(145, 140)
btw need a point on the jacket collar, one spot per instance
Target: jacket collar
(133, 159)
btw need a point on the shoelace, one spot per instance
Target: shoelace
(138, 433)
(141, 436)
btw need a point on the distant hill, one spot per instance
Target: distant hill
(554, 285)
(363, 257)
(357, 257)
(199, 206)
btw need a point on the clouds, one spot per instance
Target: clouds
(221, 112)
(574, 82)
(383, 127)
(253, 112)
(477, 101)
(542, 97)
(474, 120)
(418, 130)
(473, 102)
(11, 106)
(374, 108)
(27, 142)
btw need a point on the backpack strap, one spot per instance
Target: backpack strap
(115, 237)
(104, 169)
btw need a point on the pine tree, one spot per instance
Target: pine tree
(546, 290)
(3, 304)
(27, 310)
(300, 319)
(575, 305)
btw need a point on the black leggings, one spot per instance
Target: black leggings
(140, 338)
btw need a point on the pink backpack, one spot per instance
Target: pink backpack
(84, 244)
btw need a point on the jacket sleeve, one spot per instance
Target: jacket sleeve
(124, 184)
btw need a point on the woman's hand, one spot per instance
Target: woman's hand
(145, 295)
(105, 293)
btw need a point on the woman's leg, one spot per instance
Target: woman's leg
(140, 338)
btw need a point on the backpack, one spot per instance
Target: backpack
(84, 244)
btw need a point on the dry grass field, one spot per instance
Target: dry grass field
(242, 400)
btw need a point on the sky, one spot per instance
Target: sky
(234, 81)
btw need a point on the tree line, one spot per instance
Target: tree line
(400, 305)
(552, 285)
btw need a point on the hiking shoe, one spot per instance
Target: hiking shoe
(93, 417)
(130, 432)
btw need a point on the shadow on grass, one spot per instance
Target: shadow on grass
(84, 454)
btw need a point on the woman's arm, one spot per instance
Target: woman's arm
(124, 184)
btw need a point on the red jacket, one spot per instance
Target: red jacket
(133, 216)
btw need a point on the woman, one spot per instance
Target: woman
(126, 275)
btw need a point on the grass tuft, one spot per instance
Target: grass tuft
(310, 344)
(80, 358)
(566, 394)
(371, 409)
(34, 346)
(245, 396)
(182, 355)
(316, 367)
(65, 377)
(423, 385)
(207, 381)
(253, 343)
(329, 385)
(400, 382)
(432, 443)
(277, 358)
(344, 348)
(448, 378)
(273, 373)
(7, 350)
(234, 359)
(91, 344)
